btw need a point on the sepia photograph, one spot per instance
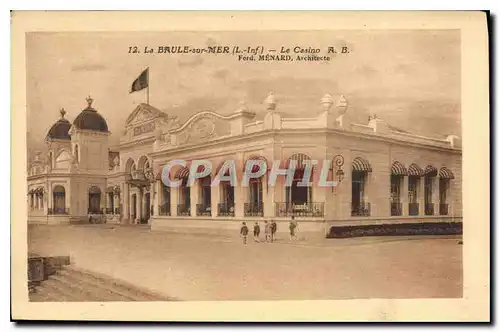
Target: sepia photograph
(244, 165)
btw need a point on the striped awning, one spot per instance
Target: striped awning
(299, 158)
(415, 170)
(398, 169)
(445, 173)
(430, 171)
(226, 173)
(182, 173)
(361, 165)
(255, 168)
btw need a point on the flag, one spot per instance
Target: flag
(141, 82)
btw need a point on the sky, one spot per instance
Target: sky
(411, 79)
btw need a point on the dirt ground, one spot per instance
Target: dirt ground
(198, 267)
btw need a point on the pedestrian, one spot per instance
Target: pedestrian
(274, 228)
(293, 228)
(267, 230)
(256, 232)
(244, 232)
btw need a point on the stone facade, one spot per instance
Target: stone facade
(383, 175)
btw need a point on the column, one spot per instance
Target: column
(421, 196)
(116, 202)
(195, 193)
(174, 200)
(131, 208)
(344, 190)
(268, 197)
(435, 195)
(404, 195)
(68, 197)
(50, 197)
(125, 206)
(145, 206)
(215, 193)
(156, 198)
(322, 195)
(139, 205)
(239, 190)
(45, 203)
(239, 199)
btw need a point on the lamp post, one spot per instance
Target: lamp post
(338, 162)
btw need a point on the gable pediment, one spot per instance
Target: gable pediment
(144, 113)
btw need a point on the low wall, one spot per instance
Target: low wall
(308, 228)
(50, 219)
(37, 220)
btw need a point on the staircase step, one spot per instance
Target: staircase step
(118, 287)
(43, 295)
(91, 291)
(57, 291)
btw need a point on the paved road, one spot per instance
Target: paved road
(221, 268)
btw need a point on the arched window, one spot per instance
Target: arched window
(129, 165)
(445, 176)
(94, 200)
(255, 205)
(59, 200)
(31, 199)
(184, 203)
(298, 196)
(142, 163)
(398, 172)
(360, 170)
(414, 177)
(204, 206)
(165, 204)
(225, 206)
(77, 154)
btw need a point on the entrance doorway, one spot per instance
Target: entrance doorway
(94, 200)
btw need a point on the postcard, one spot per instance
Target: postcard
(250, 166)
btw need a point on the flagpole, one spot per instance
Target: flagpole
(148, 88)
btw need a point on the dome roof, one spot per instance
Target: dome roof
(60, 129)
(89, 119)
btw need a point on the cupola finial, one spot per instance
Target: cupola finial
(63, 112)
(89, 101)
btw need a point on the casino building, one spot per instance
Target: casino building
(383, 175)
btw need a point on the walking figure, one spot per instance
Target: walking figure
(244, 232)
(293, 228)
(256, 232)
(274, 228)
(267, 230)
